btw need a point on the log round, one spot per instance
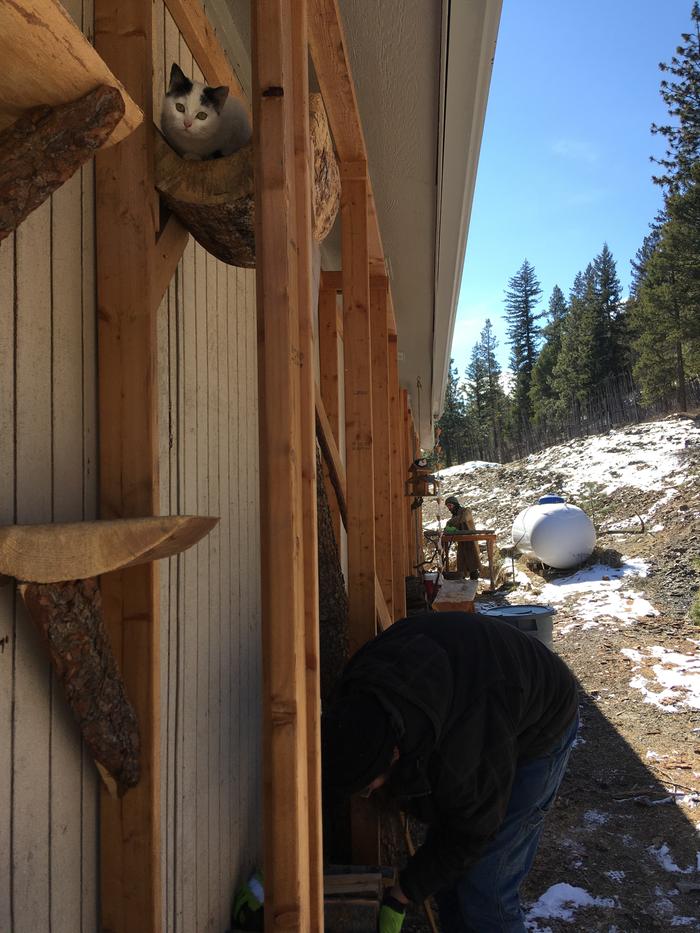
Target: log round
(214, 199)
(77, 550)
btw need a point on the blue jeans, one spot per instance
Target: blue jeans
(487, 899)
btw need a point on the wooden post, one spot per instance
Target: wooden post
(125, 237)
(328, 360)
(358, 405)
(303, 168)
(406, 457)
(285, 775)
(382, 440)
(398, 527)
(359, 453)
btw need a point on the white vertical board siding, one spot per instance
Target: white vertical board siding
(210, 662)
(210, 601)
(48, 783)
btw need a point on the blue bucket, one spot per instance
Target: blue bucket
(535, 620)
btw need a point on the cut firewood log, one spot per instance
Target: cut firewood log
(68, 616)
(214, 199)
(46, 145)
(76, 550)
(325, 191)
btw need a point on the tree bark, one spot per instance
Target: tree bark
(45, 146)
(68, 616)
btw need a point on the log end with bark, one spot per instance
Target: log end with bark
(47, 145)
(68, 616)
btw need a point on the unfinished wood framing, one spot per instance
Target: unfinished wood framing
(406, 459)
(382, 441)
(198, 33)
(304, 199)
(398, 515)
(358, 411)
(276, 97)
(328, 371)
(125, 238)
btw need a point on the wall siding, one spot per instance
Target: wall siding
(210, 601)
(48, 783)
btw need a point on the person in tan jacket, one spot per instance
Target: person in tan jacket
(461, 519)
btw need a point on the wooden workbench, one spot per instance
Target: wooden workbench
(488, 536)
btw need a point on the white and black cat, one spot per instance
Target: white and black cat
(202, 122)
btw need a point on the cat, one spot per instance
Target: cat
(202, 122)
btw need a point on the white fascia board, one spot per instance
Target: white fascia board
(469, 50)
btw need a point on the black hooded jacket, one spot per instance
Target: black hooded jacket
(470, 697)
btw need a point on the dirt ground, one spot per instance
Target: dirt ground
(625, 828)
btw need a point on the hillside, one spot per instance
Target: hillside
(620, 851)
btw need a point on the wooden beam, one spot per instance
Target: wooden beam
(334, 280)
(126, 213)
(358, 413)
(398, 536)
(329, 379)
(406, 460)
(332, 457)
(304, 167)
(384, 619)
(382, 440)
(332, 65)
(167, 254)
(285, 777)
(200, 38)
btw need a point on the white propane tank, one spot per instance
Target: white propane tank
(558, 534)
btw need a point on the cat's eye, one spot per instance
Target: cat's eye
(202, 115)
(180, 108)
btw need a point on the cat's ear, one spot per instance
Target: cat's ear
(216, 96)
(179, 82)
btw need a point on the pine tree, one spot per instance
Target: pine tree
(543, 393)
(496, 402)
(521, 314)
(476, 393)
(643, 255)
(486, 401)
(573, 376)
(453, 421)
(681, 94)
(612, 350)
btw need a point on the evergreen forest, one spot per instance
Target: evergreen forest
(584, 358)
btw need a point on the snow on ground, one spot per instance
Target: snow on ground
(676, 682)
(643, 456)
(594, 595)
(561, 902)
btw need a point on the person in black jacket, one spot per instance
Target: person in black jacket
(468, 723)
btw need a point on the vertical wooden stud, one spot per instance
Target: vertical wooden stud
(303, 166)
(358, 410)
(382, 438)
(125, 236)
(359, 452)
(285, 781)
(398, 533)
(406, 462)
(328, 366)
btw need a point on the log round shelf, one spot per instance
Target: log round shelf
(214, 199)
(78, 550)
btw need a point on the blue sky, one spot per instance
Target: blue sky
(564, 163)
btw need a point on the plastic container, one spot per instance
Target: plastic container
(535, 620)
(558, 534)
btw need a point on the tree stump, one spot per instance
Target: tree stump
(214, 199)
(45, 146)
(68, 616)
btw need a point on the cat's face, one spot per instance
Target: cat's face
(192, 110)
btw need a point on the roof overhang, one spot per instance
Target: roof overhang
(422, 73)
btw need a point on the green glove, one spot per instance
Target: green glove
(392, 914)
(247, 911)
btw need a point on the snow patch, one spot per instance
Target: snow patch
(662, 854)
(677, 675)
(561, 901)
